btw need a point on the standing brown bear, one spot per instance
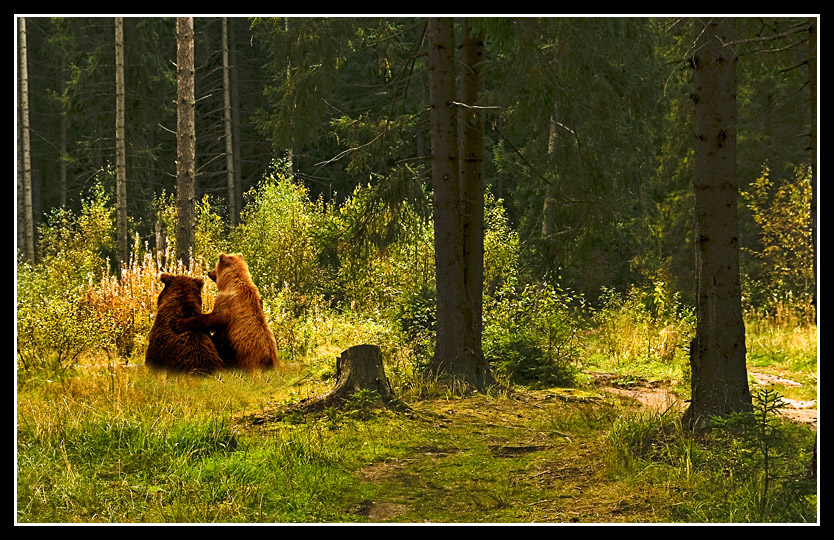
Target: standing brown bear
(191, 352)
(241, 334)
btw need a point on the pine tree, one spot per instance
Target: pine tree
(121, 181)
(227, 129)
(185, 138)
(458, 350)
(28, 219)
(718, 352)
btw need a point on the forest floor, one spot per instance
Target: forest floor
(520, 460)
(659, 396)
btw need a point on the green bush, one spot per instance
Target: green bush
(275, 236)
(417, 313)
(73, 250)
(529, 335)
(779, 267)
(645, 323)
(54, 328)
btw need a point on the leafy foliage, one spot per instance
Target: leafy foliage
(53, 328)
(530, 335)
(782, 266)
(643, 324)
(275, 236)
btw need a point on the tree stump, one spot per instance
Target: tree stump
(357, 368)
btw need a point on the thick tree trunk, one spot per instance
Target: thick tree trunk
(357, 368)
(812, 83)
(185, 139)
(458, 350)
(121, 187)
(718, 352)
(472, 187)
(446, 195)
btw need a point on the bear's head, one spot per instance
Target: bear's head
(229, 267)
(180, 290)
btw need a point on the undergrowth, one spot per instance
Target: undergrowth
(748, 468)
(102, 439)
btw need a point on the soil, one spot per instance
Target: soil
(803, 412)
(659, 396)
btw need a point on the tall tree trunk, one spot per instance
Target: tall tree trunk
(185, 139)
(456, 353)
(121, 181)
(718, 352)
(21, 239)
(28, 218)
(472, 182)
(62, 164)
(227, 124)
(812, 83)
(235, 120)
(289, 150)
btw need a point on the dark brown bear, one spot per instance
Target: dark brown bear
(241, 334)
(190, 352)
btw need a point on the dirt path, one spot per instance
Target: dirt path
(659, 396)
(653, 395)
(803, 412)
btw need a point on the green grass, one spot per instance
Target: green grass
(108, 443)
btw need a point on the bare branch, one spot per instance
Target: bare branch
(798, 29)
(458, 103)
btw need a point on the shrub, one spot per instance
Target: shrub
(645, 323)
(529, 335)
(53, 328)
(377, 245)
(274, 236)
(501, 246)
(74, 249)
(780, 267)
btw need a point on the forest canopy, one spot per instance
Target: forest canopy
(586, 130)
(317, 129)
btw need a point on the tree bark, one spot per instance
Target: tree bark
(812, 83)
(357, 368)
(718, 352)
(458, 348)
(62, 164)
(227, 124)
(472, 184)
(121, 187)
(185, 139)
(236, 140)
(28, 218)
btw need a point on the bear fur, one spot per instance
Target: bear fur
(241, 334)
(190, 352)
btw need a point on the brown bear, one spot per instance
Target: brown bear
(241, 334)
(191, 352)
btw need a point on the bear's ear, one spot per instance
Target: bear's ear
(166, 278)
(199, 282)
